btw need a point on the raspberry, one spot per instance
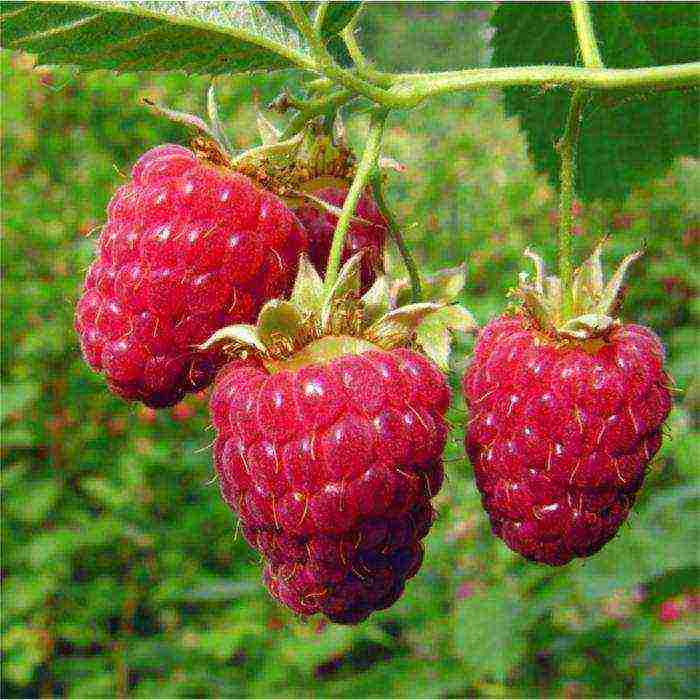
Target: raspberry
(331, 469)
(186, 249)
(560, 435)
(370, 237)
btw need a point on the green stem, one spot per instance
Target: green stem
(395, 230)
(320, 15)
(567, 147)
(364, 68)
(313, 108)
(586, 34)
(320, 86)
(409, 89)
(364, 170)
(327, 66)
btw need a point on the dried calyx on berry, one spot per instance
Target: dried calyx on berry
(292, 168)
(592, 307)
(311, 329)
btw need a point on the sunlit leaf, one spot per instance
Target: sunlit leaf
(197, 37)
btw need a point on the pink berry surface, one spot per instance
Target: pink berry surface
(186, 249)
(561, 436)
(331, 469)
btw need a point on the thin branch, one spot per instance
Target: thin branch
(364, 67)
(365, 168)
(586, 34)
(313, 108)
(411, 88)
(567, 148)
(326, 64)
(395, 231)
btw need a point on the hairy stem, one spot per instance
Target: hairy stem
(395, 231)
(364, 170)
(364, 67)
(327, 66)
(586, 34)
(313, 108)
(409, 89)
(567, 147)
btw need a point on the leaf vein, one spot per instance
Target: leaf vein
(46, 33)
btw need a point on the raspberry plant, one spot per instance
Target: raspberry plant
(255, 37)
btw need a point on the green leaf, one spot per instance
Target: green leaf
(241, 333)
(623, 144)
(457, 318)
(277, 319)
(347, 283)
(377, 299)
(396, 327)
(308, 286)
(434, 334)
(337, 16)
(489, 634)
(205, 37)
(443, 286)
(435, 340)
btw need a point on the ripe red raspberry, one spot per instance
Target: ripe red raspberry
(560, 435)
(331, 469)
(320, 225)
(187, 249)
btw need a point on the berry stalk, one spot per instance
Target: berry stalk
(395, 231)
(586, 35)
(567, 151)
(588, 45)
(364, 170)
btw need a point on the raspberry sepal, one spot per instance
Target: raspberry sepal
(594, 304)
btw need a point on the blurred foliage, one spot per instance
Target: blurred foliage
(122, 572)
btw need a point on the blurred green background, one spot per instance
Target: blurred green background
(121, 572)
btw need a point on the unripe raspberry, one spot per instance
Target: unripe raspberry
(560, 434)
(187, 248)
(331, 469)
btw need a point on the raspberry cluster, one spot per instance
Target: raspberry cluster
(370, 236)
(187, 249)
(560, 436)
(331, 469)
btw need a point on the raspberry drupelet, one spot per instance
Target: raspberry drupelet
(561, 430)
(331, 468)
(187, 248)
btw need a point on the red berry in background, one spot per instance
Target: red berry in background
(331, 469)
(561, 433)
(187, 248)
(670, 611)
(320, 225)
